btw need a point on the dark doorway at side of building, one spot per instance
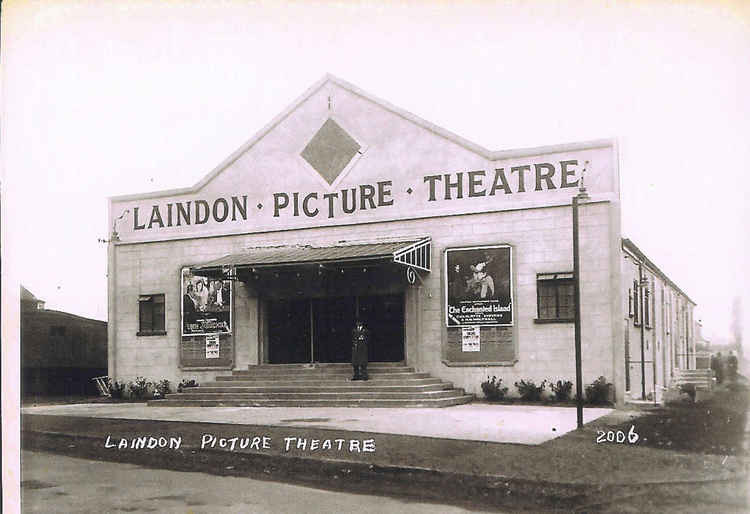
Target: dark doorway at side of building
(319, 329)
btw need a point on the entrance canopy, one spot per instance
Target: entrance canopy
(412, 253)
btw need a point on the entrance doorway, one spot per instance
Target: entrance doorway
(288, 333)
(319, 329)
(332, 321)
(384, 316)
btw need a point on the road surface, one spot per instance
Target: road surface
(56, 483)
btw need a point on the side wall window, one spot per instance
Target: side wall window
(151, 314)
(555, 297)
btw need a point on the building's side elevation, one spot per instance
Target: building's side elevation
(60, 352)
(658, 325)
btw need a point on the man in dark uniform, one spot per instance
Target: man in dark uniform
(732, 367)
(717, 365)
(360, 340)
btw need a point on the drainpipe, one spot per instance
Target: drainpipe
(687, 338)
(114, 238)
(642, 319)
(111, 310)
(653, 352)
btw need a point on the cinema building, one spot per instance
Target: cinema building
(458, 259)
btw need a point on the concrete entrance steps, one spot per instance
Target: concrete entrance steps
(700, 378)
(320, 385)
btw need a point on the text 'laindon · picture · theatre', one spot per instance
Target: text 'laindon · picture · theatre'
(457, 259)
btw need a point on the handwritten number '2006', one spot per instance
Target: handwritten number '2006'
(612, 436)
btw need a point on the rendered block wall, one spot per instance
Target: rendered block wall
(541, 241)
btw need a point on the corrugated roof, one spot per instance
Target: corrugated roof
(286, 255)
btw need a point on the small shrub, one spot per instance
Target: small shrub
(673, 396)
(185, 384)
(688, 389)
(161, 390)
(493, 390)
(597, 393)
(529, 391)
(562, 390)
(116, 389)
(139, 389)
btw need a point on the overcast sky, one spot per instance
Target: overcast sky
(107, 98)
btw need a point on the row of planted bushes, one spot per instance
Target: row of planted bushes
(142, 389)
(596, 393)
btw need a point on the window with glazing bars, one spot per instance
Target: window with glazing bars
(151, 314)
(555, 296)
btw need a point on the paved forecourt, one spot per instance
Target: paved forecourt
(517, 424)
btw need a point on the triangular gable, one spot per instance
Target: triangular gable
(339, 152)
(326, 79)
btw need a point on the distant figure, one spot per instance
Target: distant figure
(718, 367)
(360, 340)
(732, 367)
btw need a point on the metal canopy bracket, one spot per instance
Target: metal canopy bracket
(412, 274)
(417, 258)
(417, 255)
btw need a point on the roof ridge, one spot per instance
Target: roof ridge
(626, 242)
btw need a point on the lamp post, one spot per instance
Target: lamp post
(112, 297)
(115, 237)
(581, 196)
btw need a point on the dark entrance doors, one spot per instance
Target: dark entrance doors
(333, 320)
(321, 328)
(384, 316)
(288, 333)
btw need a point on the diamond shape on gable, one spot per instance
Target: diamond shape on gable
(330, 150)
